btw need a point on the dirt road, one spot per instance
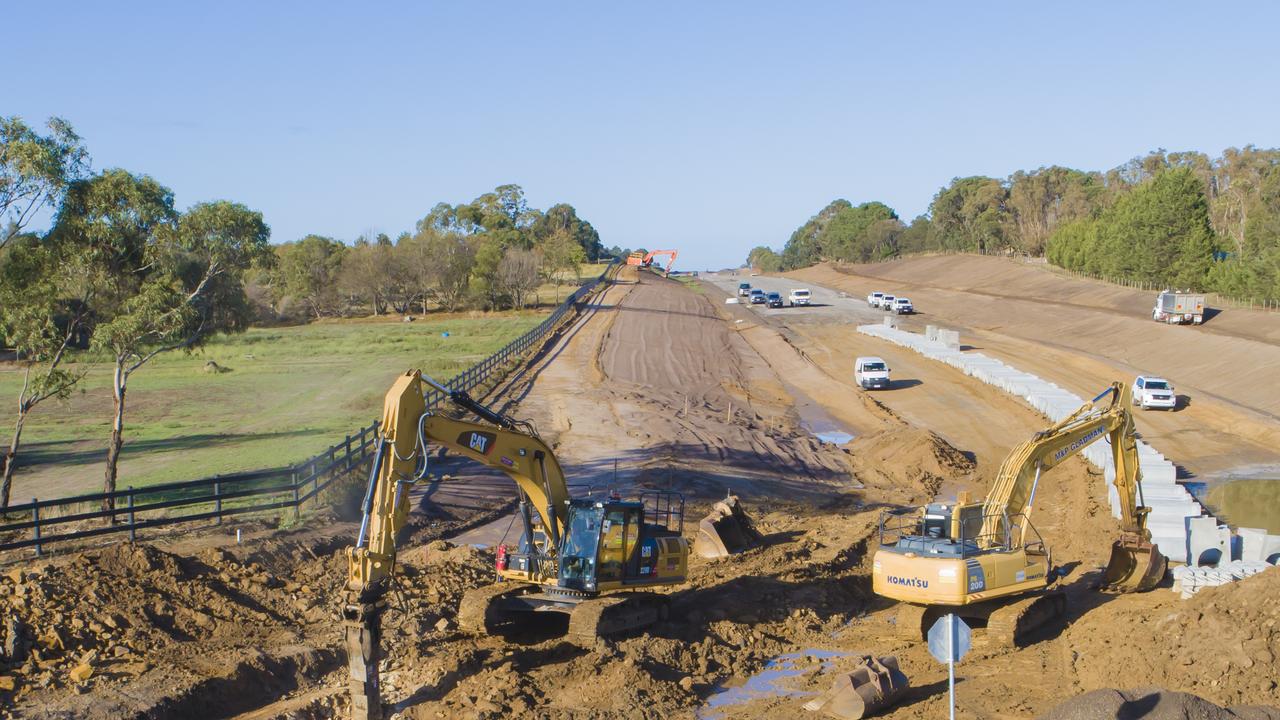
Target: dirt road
(1083, 334)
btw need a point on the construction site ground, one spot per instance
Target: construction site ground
(661, 384)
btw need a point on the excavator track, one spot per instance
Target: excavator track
(480, 611)
(1010, 623)
(614, 615)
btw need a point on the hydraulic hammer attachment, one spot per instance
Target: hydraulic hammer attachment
(871, 687)
(726, 530)
(1136, 565)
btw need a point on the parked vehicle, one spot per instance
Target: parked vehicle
(1153, 392)
(744, 289)
(773, 300)
(903, 306)
(799, 296)
(871, 373)
(1180, 308)
(757, 296)
(886, 302)
(874, 299)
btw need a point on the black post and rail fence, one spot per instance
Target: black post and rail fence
(41, 523)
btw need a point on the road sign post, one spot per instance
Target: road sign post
(950, 640)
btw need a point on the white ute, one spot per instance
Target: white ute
(871, 373)
(799, 296)
(1153, 392)
(886, 302)
(903, 306)
(874, 299)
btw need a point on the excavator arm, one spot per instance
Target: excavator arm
(400, 462)
(1013, 492)
(671, 259)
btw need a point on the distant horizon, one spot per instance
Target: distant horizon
(711, 128)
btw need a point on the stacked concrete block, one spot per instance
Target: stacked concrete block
(1171, 505)
(1189, 580)
(1257, 546)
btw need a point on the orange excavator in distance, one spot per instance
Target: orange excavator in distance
(646, 259)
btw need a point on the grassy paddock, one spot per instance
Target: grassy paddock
(283, 395)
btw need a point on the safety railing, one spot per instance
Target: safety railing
(41, 523)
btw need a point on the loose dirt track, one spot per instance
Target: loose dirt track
(680, 393)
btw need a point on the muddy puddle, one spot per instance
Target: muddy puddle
(1247, 502)
(771, 682)
(816, 420)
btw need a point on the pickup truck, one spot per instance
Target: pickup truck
(874, 299)
(1153, 392)
(903, 306)
(871, 373)
(744, 289)
(799, 296)
(886, 302)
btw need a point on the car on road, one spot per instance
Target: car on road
(773, 300)
(886, 302)
(871, 373)
(744, 289)
(903, 306)
(1154, 392)
(874, 299)
(757, 296)
(798, 296)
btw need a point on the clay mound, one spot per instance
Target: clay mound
(911, 462)
(1223, 644)
(1152, 704)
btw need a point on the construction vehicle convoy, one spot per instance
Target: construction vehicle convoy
(587, 558)
(985, 562)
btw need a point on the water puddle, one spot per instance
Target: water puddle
(769, 682)
(816, 420)
(1248, 502)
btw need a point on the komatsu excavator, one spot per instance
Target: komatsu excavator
(585, 558)
(985, 562)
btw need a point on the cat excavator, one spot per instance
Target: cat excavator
(587, 558)
(985, 562)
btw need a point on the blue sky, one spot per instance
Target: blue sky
(711, 127)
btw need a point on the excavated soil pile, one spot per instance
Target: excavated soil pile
(1223, 644)
(1152, 704)
(907, 461)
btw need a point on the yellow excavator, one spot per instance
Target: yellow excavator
(985, 562)
(585, 558)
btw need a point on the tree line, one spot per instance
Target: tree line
(1181, 219)
(125, 275)
(491, 253)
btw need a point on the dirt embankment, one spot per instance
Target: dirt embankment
(1083, 334)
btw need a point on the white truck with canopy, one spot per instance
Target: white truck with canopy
(1179, 308)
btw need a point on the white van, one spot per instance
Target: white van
(871, 373)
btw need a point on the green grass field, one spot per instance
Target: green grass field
(287, 393)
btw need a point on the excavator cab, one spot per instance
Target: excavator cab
(616, 543)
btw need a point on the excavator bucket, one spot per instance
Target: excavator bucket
(872, 686)
(726, 530)
(1136, 565)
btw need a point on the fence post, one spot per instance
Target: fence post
(133, 529)
(35, 526)
(297, 512)
(217, 501)
(346, 450)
